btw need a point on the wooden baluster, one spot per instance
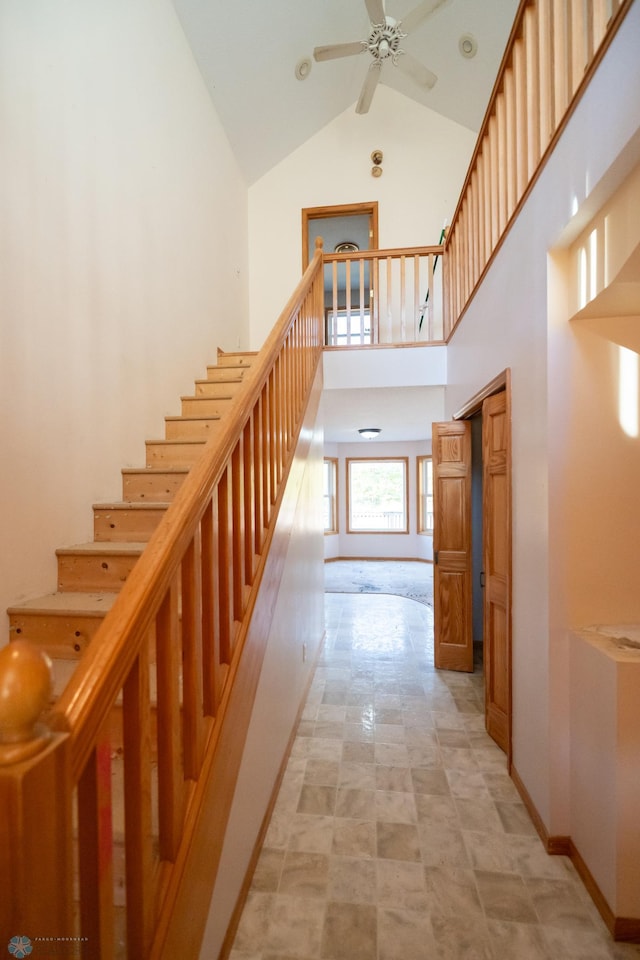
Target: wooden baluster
(482, 206)
(494, 180)
(136, 735)
(521, 137)
(362, 302)
(258, 475)
(224, 568)
(249, 508)
(95, 854)
(210, 635)
(486, 187)
(532, 99)
(475, 227)
(577, 43)
(273, 445)
(403, 316)
(547, 72)
(561, 59)
(389, 300)
(511, 133)
(416, 294)
(192, 707)
(347, 301)
(334, 302)
(36, 859)
(237, 530)
(170, 773)
(501, 163)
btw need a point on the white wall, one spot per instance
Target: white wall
(425, 161)
(411, 545)
(509, 325)
(123, 259)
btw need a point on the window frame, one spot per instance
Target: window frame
(333, 495)
(378, 531)
(423, 525)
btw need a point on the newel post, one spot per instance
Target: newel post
(36, 888)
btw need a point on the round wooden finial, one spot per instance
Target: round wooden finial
(319, 243)
(25, 690)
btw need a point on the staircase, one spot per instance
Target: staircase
(90, 575)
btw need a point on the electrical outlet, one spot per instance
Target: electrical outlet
(304, 652)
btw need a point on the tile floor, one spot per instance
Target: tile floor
(397, 834)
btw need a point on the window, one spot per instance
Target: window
(348, 330)
(377, 495)
(425, 495)
(330, 495)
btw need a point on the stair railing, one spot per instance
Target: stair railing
(552, 52)
(101, 817)
(383, 297)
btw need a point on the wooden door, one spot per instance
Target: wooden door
(451, 452)
(496, 459)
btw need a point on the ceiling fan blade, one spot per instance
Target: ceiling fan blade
(335, 50)
(417, 71)
(375, 9)
(415, 17)
(368, 88)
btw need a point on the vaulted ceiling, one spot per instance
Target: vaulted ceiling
(248, 50)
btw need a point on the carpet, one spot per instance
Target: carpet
(405, 578)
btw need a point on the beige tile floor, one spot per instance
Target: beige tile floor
(397, 834)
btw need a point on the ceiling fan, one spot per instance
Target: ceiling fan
(383, 43)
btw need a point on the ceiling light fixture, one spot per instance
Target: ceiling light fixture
(468, 46)
(303, 68)
(369, 433)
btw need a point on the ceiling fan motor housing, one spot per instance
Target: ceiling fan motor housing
(384, 40)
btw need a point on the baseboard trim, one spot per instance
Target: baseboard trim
(232, 929)
(621, 928)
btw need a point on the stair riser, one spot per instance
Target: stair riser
(128, 526)
(93, 574)
(66, 637)
(189, 429)
(224, 374)
(144, 487)
(222, 391)
(203, 407)
(173, 453)
(234, 360)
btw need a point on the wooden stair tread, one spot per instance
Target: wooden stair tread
(175, 442)
(143, 505)
(198, 417)
(156, 471)
(102, 547)
(67, 604)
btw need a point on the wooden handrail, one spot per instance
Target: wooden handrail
(552, 51)
(159, 674)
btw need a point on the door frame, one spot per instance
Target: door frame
(338, 210)
(473, 406)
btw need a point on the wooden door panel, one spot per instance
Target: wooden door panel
(451, 452)
(496, 457)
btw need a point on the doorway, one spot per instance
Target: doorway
(355, 223)
(464, 508)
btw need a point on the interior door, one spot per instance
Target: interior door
(453, 632)
(496, 458)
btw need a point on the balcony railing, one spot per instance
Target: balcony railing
(383, 297)
(554, 47)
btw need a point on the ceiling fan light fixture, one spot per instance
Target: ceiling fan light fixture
(468, 46)
(369, 433)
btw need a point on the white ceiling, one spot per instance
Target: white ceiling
(247, 51)
(400, 413)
